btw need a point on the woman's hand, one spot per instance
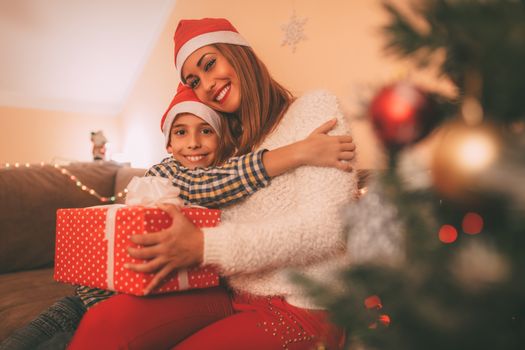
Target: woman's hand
(180, 245)
(321, 149)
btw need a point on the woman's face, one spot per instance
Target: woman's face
(213, 79)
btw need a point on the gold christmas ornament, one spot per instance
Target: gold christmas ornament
(463, 155)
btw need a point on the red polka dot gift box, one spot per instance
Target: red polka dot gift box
(91, 248)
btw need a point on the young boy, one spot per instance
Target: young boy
(196, 140)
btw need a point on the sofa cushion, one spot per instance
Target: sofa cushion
(24, 295)
(29, 199)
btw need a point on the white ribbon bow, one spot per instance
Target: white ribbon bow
(151, 190)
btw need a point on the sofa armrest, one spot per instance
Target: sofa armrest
(124, 176)
(29, 199)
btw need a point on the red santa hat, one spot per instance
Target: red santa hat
(192, 34)
(185, 101)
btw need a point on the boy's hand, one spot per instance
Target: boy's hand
(318, 149)
(321, 149)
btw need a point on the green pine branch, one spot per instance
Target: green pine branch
(484, 39)
(429, 305)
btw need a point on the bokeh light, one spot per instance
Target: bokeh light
(472, 223)
(448, 234)
(476, 152)
(385, 320)
(373, 302)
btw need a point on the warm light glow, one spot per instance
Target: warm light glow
(141, 148)
(373, 302)
(400, 110)
(472, 223)
(448, 234)
(472, 111)
(73, 178)
(385, 320)
(476, 152)
(403, 106)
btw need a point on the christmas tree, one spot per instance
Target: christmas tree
(438, 255)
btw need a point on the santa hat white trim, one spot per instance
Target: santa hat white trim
(224, 36)
(197, 108)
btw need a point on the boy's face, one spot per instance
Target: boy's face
(193, 142)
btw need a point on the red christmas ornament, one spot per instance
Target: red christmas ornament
(402, 114)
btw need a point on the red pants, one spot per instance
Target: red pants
(203, 319)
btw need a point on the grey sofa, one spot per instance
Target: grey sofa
(29, 198)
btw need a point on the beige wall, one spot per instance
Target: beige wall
(34, 136)
(342, 53)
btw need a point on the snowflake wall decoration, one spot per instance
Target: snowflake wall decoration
(293, 31)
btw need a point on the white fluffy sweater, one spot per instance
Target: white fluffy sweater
(293, 224)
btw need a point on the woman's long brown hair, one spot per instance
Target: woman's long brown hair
(263, 100)
(227, 142)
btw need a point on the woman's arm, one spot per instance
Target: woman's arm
(308, 231)
(307, 228)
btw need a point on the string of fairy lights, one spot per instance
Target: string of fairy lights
(71, 177)
(472, 222)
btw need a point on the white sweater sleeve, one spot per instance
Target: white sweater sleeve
(309, 228)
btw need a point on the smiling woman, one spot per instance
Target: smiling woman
(191, 132)
(294, 223)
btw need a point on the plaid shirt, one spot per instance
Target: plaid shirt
(239, 177)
